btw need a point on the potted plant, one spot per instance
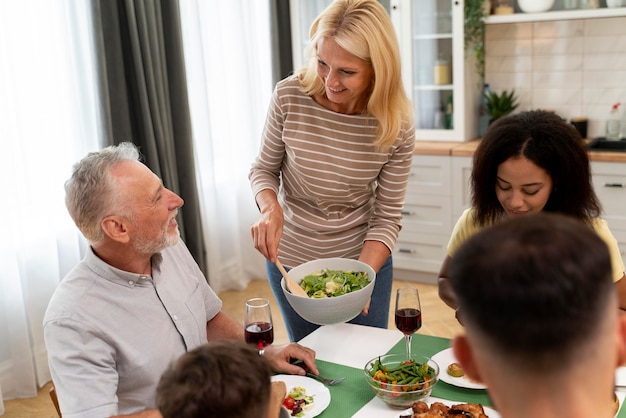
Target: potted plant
(500, 104)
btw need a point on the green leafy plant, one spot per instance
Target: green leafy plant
(474, 41)
(501, 104)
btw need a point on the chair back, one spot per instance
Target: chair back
(55, 400)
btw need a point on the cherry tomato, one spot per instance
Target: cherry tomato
(289, 403)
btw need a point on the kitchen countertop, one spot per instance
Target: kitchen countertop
(466, 149)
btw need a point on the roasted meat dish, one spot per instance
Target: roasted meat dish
(438, 410)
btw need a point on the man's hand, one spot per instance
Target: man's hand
(280, 358)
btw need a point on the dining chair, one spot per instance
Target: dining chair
(55, 400)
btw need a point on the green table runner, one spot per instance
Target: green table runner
(347, 397)
(352, 394)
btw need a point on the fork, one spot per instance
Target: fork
(329, 382)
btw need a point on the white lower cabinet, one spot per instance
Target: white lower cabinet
(427, 220)
(461, 186)
(609, 181)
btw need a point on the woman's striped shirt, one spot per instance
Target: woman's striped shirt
(335, 189)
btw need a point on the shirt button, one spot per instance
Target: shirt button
(130, 282)
(175, 317)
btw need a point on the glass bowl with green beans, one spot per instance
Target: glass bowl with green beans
(399, 380)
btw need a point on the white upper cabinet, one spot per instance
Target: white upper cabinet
(436, 71)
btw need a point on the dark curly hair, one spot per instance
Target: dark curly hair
(549, 142)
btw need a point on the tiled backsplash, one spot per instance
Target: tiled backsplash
(574, 67)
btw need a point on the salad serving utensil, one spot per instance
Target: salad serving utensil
(292, 285)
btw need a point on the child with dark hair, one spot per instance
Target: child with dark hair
(218, 379)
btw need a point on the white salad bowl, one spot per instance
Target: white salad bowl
(331, 310)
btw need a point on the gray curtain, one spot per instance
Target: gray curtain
(144, 97)
(282, 56)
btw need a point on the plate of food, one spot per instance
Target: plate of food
(306, 398)
(452, 373)
(444, 408)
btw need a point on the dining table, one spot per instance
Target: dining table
(343, 350)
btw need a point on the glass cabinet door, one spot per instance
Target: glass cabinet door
(432, 64)
(430, 33)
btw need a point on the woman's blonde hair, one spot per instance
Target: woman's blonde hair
(363, 28)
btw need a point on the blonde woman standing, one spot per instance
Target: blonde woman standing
(331, 175)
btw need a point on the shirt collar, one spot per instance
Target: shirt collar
(118, 276)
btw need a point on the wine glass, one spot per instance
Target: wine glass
(259, 329)
(408, 314)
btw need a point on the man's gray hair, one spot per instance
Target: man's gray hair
(92, 193)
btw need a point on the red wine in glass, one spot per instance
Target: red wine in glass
(408, 320)
(408, 314)
(260, 334)
(258, 329)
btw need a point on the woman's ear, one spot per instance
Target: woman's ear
(465, 356)
(115, 228)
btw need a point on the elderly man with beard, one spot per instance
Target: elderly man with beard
(137, 301)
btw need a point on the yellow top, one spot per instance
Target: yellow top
(466, 227)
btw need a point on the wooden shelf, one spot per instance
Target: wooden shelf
(556, 15)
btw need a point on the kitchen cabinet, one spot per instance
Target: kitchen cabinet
(609, 182)
(556, 15)
(427, 220)
(461, 186)
(436, 74)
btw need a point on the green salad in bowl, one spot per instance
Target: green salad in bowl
(336, 289)
(329, 283)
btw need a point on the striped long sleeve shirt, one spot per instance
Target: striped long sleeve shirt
(335, 188)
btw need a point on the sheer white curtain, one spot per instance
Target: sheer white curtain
(48, 121)
(228, 60)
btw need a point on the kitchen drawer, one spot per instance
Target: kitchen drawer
(427, 213)
(422, 252)
(609, 181)
(430, 174)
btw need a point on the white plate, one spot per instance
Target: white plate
(620, 377)
(443, 359)
(491, 413)
(320, 393)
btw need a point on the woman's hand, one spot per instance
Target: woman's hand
(374, 254)
(266, 232)
(280, 358)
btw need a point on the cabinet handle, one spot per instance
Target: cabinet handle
(406, 250)
(617, 185)
(407, 213)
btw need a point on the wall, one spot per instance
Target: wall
(574, 67)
